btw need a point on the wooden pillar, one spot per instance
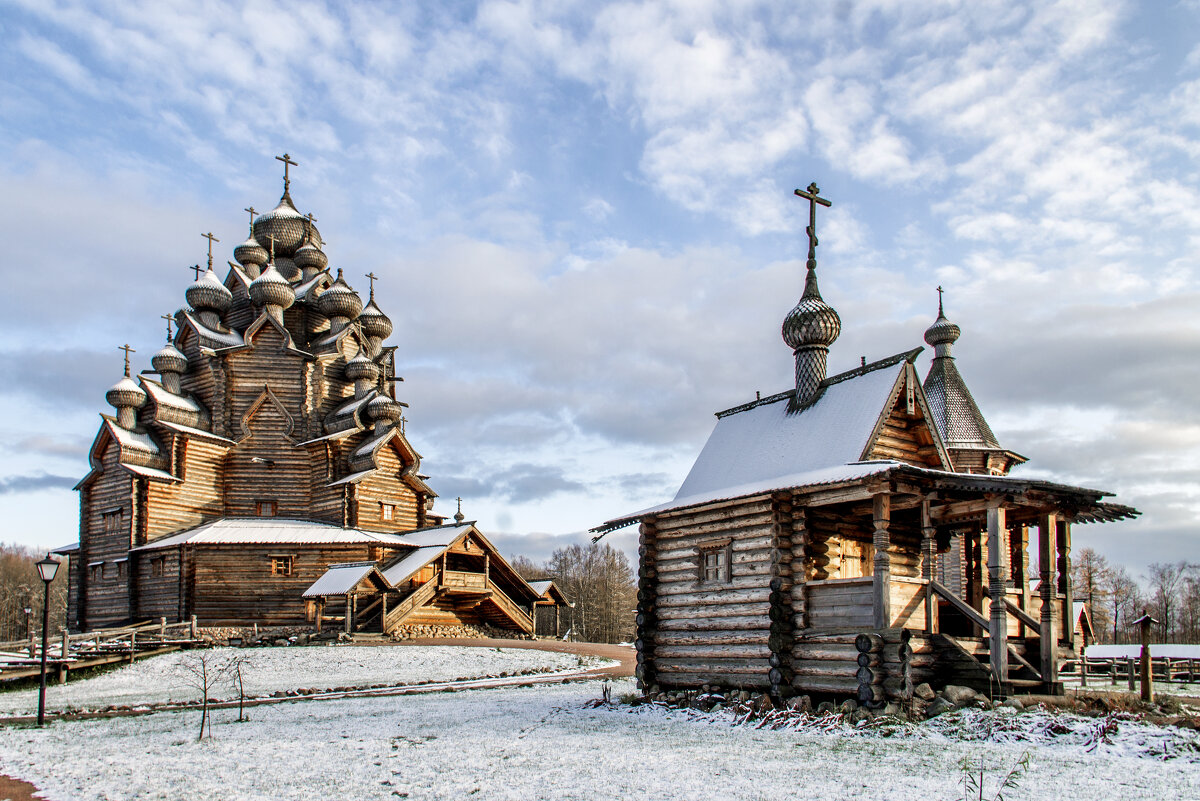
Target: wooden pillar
(320, 613)
(1064, 582)
(383, 612)
(349, 613)
(881, 508)
(1144, 623)
(647, 608)
(781, 612)
(928, 565)
(1021, 576)
(997, 576)
(487, 569)
(1047, 526)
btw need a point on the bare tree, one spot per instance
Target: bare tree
(598, 580)
(236, 672)
(1123, 592)
(527, 568)
(1089, 577)
(1164, 580)
(20, 587)
(203, 671)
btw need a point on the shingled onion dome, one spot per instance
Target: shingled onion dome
(363, 372)
(809, 329)
(340, 304)
(943, 333)
(309, 257)
(209, 297)
(382, 409)
(126, 397)
(376, 325)
(272, 292)
(285, 224)
(251, 255)
(170, 363)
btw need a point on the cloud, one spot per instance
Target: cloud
(35, 482)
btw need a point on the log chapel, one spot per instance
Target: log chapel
(261, 468)
(856, 534)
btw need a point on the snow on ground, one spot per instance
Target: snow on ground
(1103, 684)
(162, 678)
(543, 742)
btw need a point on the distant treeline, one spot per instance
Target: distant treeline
(1169, 591)
(598, 580)
(21, 587)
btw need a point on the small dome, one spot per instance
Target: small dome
(382, 407)
(340, 300)
(209, 293)
(169, 360)
(287, 268)
(250, 252)
(942, 332)
(374, 322)
(361, 367)
(283, 223)
(125, 394)
(272, 289)
(310, 257)
(812, 321)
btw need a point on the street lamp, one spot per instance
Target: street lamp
(47, 568)
(28, 622)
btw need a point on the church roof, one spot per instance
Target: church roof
(270, 530)
(762, 441)
(341, 578)
(958, 418)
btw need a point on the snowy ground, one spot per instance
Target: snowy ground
(161, 679)
(1102, 683)
(544, 743)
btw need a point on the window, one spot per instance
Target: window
(281, 565)
(112, 521)
(387, 511)
(122, 568)
(264, 508)
(156, 565)
(858, 559)
(96, 571)
(716, 560)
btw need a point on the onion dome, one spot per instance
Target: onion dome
(287, 268)
(310, 257)
(360, 367)
(125, 394)
(272, 289)
(284, 223)
(209, 293)
(169, 360)
(381, 407)
(374, 322)
(812, 322)
(340, 300)
(943, 333)
(250, 252)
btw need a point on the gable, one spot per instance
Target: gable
(905, 431)
(267, 418)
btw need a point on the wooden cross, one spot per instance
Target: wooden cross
(128, 350)
(196, 269)
(252, 213)
(373, 277)
(308, 226)
(271, 239)
(459, 499)
(209, 236)
(169, 320)
(812, 195)
(287, 160)
(403, 421)
(940, 312)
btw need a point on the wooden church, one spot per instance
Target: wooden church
(265, 447)
(858, 534)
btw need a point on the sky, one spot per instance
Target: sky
(582, 218)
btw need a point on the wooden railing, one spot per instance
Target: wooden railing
(460, 579)
(973, 615)
(841, 603)
(408, 605)
(511, 608)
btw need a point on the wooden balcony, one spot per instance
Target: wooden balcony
(458, 582)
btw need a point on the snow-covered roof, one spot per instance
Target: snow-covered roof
(1172, 650)
(353, 478)
(540, 587)
(228, 339)
(340, 579)
(435, 535)
(765, 441)
(150, 472)
(268, 530)
(404, 567)
(136, 440)
(199, 433)
(163, 397)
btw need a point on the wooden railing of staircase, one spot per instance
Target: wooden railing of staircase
(510, 607)
(418, 598)
(973, 615)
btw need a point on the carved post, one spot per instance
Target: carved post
(1047, 524)
(882, 603)
(928, 565)
(997, 573)
(1064, 583)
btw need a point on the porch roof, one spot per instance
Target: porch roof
(342, 578)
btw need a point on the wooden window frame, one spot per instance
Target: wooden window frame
(96, 571)
(387, 512)
(158, 566)
(720, 570)
(111, 520)
(282, 565)
(259, 505)
(122, 568)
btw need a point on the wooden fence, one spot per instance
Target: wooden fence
(67, 652)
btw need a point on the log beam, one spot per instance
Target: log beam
(882, 601)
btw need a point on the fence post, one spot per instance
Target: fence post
(132, 645)
(162, 627)
(1129, 670)
(194, 632)
(1082, 670)
(1113, 670)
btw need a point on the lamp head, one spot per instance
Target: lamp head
(48, 568)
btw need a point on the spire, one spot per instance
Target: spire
(812, 326)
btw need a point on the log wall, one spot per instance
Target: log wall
(157, 577)
(104, 597)
(386, 486)
(174, 507)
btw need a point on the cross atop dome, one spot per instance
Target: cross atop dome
(287, 161)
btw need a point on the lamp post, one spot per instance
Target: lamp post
(28, 622)
(47, 569)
